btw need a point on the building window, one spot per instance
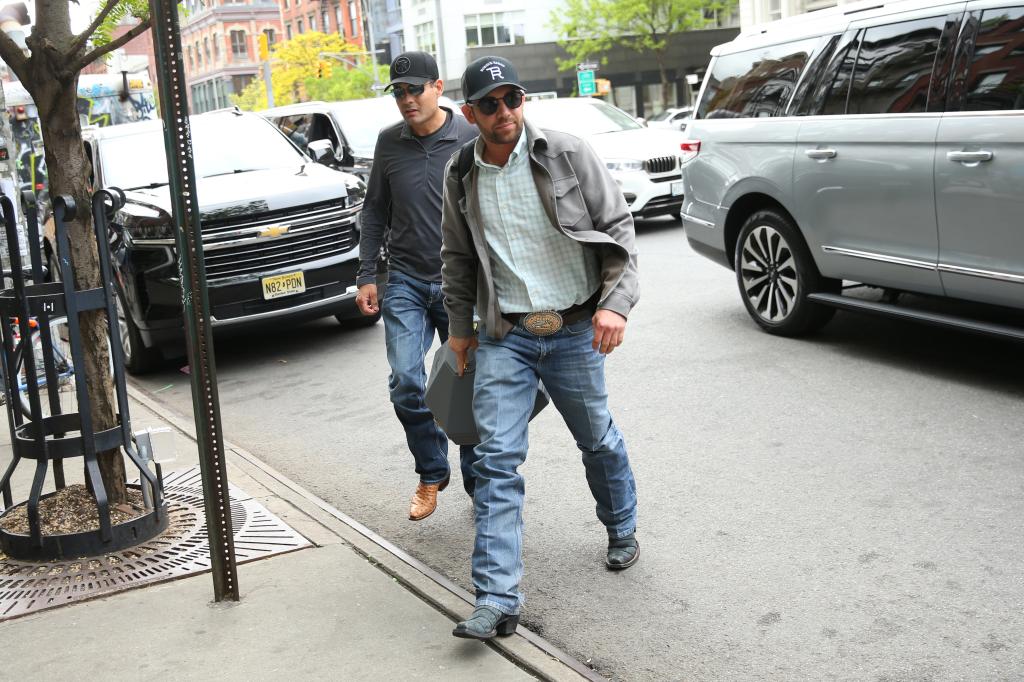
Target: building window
(216, 46)
(496, 28)
(298, 26)
(239, 83)
(199, 56)
(339, 19)
(188, 52)
(312, 22)
(325, 22)
(285, 4)
(271, 37)
(353, 19)
(426, 38)
(774, 10)
(206, 49)
(239, 48)
(287, 31)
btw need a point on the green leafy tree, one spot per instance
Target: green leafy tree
(591, 27)
(294, 64)
(48, 67)
(346, 83)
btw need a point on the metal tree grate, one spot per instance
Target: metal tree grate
(183, 549)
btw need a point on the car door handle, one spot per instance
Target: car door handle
(969, 157)
(821, 153)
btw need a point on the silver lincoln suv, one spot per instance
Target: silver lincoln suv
(879, 144)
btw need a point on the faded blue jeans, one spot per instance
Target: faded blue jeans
(413, 311)
(507, 372)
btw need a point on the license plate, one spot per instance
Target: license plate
(677, 188)
(283, 285)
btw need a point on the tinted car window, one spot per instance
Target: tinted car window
(996, 79)
(839, 91)
(894, 67)
(755, 83)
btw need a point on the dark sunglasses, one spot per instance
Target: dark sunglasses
(488, 106)
(398, 92)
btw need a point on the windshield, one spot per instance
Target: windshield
(361, 121)
(220, 145)
(591, 118)
(663, 116)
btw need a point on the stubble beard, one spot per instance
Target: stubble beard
(504, 138)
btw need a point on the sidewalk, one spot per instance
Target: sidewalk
(351, 606)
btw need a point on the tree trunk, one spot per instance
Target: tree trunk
(666, 86)
(68, 167)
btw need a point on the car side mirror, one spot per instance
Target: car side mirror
(322, 151)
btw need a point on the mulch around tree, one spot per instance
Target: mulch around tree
(71, 510)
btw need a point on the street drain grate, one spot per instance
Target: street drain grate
(183, 549)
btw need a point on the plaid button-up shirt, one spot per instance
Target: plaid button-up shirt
(535, 265)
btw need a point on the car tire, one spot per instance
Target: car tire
(358, 321)
(775, 274)
(137, 358)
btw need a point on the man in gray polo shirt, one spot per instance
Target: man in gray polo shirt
(403, 201)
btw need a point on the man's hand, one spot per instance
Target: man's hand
(609, 330)
(460, 345)
(366, 299)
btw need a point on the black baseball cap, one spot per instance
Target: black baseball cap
(487, 73)
(414, 68)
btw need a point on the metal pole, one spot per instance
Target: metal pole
(372, 47)
(269, 84)
(205, 401)
(441, 61)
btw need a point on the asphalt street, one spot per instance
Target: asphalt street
(842, 507)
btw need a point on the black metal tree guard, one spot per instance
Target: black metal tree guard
(57, 436)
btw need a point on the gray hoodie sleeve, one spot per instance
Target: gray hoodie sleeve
(373, 219)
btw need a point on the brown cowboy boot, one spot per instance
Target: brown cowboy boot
(424, 501)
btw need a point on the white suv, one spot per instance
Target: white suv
(644, 162)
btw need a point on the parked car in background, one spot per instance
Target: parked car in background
(643, 161)
(673, 118)
(880, 144)
(351, 126)
(280, 234)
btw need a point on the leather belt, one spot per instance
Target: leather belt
(547, 322)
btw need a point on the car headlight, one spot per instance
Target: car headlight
(356, 190)
(624, 165)
(149, 229)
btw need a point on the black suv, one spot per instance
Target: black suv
(280, 231)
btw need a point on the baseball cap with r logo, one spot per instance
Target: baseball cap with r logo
(486, 74)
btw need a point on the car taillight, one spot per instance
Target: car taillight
(690, 149)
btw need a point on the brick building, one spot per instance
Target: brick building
(344, 17)
(220, 41)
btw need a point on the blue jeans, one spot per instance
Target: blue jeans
(413, 311)
(507, 372)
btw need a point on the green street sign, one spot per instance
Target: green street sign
(586, 83)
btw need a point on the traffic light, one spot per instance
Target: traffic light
(323, 69)
(264, 47)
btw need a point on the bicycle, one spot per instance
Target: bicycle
(64, 397)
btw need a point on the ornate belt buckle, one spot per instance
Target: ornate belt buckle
(543, 323)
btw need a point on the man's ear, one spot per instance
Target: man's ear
(468, 112)
(439, 84)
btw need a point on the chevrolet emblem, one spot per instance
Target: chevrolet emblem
(273, 231)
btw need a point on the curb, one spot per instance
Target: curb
(526, 649)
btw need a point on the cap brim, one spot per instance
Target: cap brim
(409, 80)
(482, 92)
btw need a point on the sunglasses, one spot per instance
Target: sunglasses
(398, 92)
(488, 106)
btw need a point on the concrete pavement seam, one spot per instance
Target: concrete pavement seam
(526, 648)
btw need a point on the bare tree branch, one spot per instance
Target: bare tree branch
(13, 56)
(112, 45)
(84, 36)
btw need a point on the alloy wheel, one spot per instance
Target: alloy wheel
(769, 274)
(124, 332)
